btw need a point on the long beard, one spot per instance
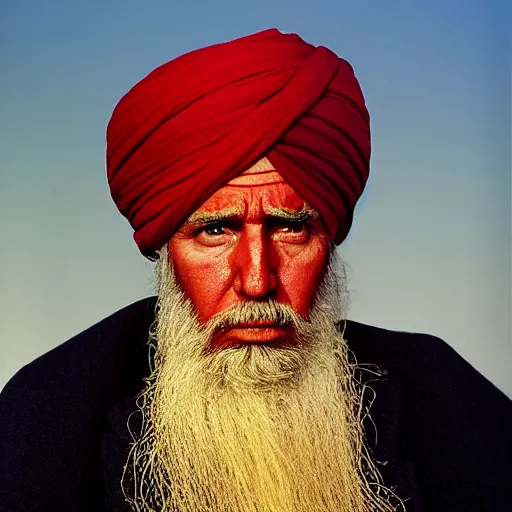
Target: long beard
(251, 428)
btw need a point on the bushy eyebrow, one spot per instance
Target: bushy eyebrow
(209, 217)
(303, 215)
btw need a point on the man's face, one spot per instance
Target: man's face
(253, 240)
(259, 426)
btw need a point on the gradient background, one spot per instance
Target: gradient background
(430, 250)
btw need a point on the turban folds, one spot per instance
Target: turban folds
(200, 120)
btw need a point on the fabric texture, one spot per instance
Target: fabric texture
(442, 434)
(200, 120)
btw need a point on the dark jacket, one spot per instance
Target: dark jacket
(444, 431)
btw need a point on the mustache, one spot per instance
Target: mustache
(247, 312)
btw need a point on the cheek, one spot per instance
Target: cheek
(203, 280)
(300, 277)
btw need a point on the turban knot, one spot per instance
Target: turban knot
(200, 120)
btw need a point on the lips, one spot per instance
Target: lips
(259, 324)
(252, 332)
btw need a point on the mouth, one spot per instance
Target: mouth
(258, 324)
(253, 332)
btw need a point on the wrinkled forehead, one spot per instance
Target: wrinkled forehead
(259, 189)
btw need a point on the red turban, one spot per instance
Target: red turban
(198, 121)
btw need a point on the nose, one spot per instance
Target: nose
(256, 278)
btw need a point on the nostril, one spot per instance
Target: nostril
(272, 282)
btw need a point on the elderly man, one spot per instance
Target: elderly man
(241, 387)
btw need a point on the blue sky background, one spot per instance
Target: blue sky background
(430, 249)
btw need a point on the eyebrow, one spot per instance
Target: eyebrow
(209, 217)
(303, 215)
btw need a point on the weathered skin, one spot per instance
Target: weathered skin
(251, 255)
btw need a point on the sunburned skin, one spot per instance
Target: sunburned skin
(254, 239)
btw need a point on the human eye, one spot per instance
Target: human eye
(295, 232)
(213, 230)
(213, 234)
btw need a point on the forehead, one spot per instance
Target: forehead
(259, 188)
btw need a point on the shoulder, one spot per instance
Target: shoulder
(53, 410)
(430, 369)
(88, 352)
(453, 421)
(398, 350)
(421, 359)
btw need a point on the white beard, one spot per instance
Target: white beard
(252, 428)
